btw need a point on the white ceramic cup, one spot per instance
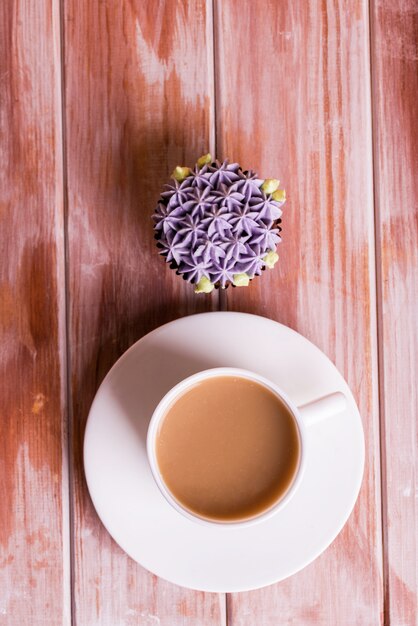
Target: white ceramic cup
(304, 417)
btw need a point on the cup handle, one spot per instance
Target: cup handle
(323, 408)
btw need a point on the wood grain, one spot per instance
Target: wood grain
(139, 86)
(299, 109)
(34, 529)
(395, 89)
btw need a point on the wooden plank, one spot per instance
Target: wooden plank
(139, 86)
(34, 545)
(395, 88)
(298, 108)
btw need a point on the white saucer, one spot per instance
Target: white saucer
(130, 504)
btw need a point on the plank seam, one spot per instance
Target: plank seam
(214, 149)
(222, 303)
(67, 357)
(379, 322)
(61, 275)
(213, 135)
(212, 76)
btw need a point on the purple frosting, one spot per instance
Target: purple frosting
(217, 223)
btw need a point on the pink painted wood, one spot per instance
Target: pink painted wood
(304, 117)
(395, 89)
(139, 100)
(34, 545)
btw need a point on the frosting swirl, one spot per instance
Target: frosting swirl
(216, 222)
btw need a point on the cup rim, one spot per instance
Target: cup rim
(180, 388)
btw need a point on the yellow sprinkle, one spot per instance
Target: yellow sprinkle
(204, 160)
(279, 195)
(204, 286)
(180, 173)
(270, 185)
(271, 259)
(241, 280)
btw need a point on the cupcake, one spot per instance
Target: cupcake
(217, 225)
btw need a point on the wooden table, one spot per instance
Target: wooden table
(99, 101)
